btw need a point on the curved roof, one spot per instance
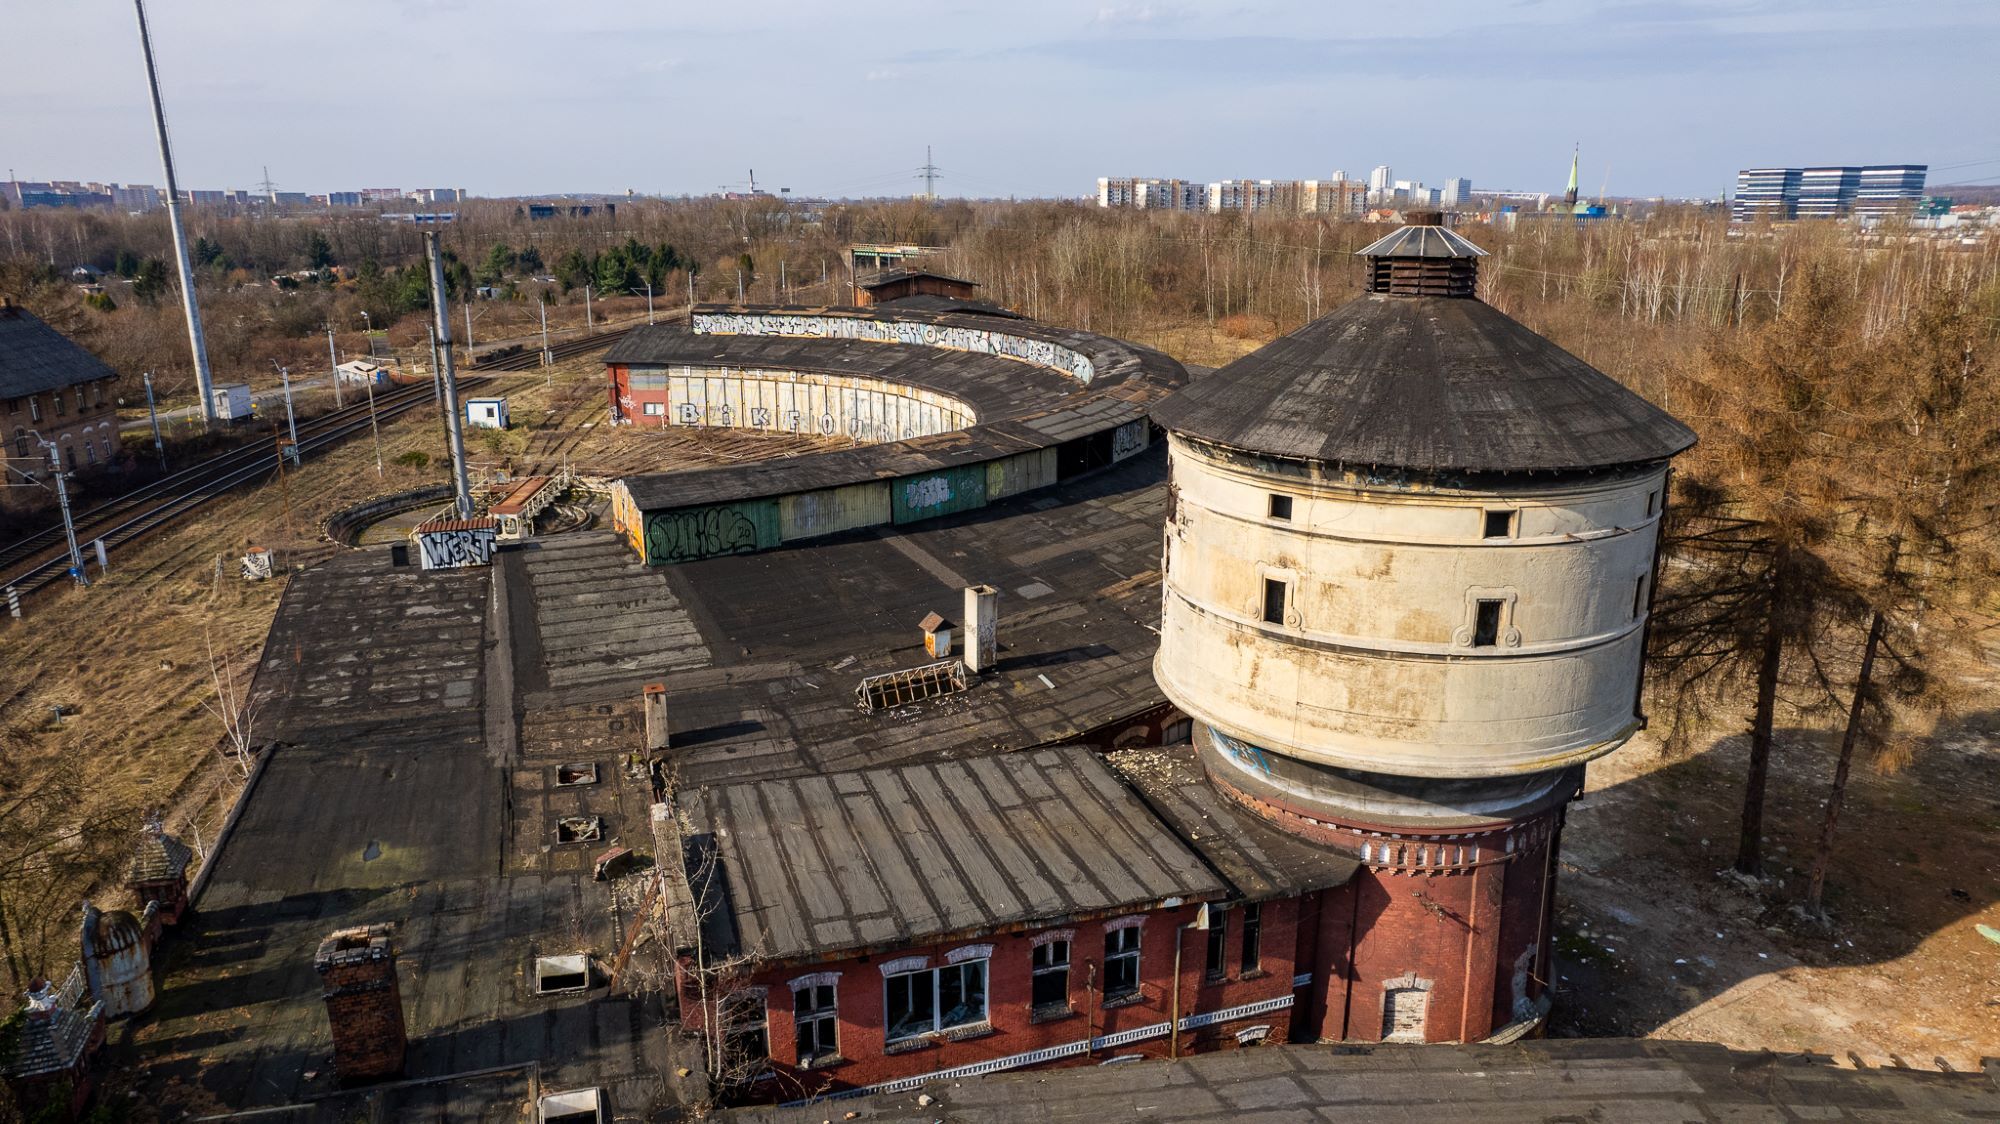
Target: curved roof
(1424, 383)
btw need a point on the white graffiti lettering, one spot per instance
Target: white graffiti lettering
(1042, 353)
(931, 491)
(448, 550)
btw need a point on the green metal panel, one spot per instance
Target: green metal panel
(691, 533)
(938, 493)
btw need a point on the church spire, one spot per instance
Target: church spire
(1569, 194)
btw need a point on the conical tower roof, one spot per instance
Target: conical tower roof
(1424, 383)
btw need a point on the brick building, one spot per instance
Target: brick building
(869, 930)
(52, 390)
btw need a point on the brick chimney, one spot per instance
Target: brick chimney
(357, 971)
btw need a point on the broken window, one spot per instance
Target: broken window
(1218, 943)
(576, 773)
(1281, 508)
(1403, 1011)
(1253, 937)
(1121, 962)
(577, 1106)
(555, 975)
(1274, 601)
(1486, 624)
(816, 1013)
(934, 999)
(1499, 524)
(579, 829)
(1051, 978)
(746, 1043)
(1178, 733)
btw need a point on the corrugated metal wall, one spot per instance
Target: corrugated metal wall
(693, 533)
(804, 515)
(1022, 472)
(938, 493)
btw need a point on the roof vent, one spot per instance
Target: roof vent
(1423, 259)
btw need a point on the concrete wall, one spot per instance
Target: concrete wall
(864, 409)
(1374, 665)
(1042, 353)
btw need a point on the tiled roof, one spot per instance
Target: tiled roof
(55, 1043)
(35, 357)
(160, 857)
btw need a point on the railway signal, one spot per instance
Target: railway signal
(62, 498)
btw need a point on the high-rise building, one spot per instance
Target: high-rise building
(1457, 190)
(1826, 193)
(1151, 194)
(1379, 181)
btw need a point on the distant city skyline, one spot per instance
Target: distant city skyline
(1037, 99)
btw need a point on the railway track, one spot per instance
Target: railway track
(33, 562)
(530, 358)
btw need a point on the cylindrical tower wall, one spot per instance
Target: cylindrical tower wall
(1412, 628)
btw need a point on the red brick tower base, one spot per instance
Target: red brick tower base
(357, 970)
(1444, 933)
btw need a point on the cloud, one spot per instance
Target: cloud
(880, 76)
(1118, 15)
(663, 66)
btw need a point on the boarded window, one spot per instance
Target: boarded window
(1486, 624)
(1403, 1011)
(1274, 601)
(1281, 508)
(1253, 937)
(1499, 524)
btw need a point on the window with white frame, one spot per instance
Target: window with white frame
(656, 409)
(816, 1014)
(929, 1000)
(1050, 970)
(1121, 961)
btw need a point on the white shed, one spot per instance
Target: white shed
(232, 401)
(486, 413)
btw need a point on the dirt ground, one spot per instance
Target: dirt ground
(1657, 936)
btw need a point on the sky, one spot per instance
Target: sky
(1014, 97)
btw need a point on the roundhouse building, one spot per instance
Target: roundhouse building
(1409, 557)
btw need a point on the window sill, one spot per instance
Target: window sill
(968, 1031)
(824, 1062)
(1051, 1013)
(1214, 981)
(1258, 974)
(1126, 1000)
(932, 1038)
(909, 1045)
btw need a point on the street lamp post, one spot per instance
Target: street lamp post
(153, 415)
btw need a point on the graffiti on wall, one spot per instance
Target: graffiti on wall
(1128, 439)
(686, 536)
(1042, 353)
(448, 550)
(929, 492)
(867, 410)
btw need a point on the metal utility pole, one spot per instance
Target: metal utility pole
(333, 368)
(739, 286)
(373, 429)
(437, 375)
(589, 324)
(291, 422)
(453, 423)
(929, 174)
(543, 304)
(204, 379)
(649, 302)
(62, 498)
(153, 415)
(468, 327)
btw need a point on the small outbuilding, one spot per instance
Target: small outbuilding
(486, 413)
(362, 372)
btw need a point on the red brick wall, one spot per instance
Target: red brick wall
(1473, 937)
(364, 1008)
(1012, 1027)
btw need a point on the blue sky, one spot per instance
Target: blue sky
(1025, 97)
